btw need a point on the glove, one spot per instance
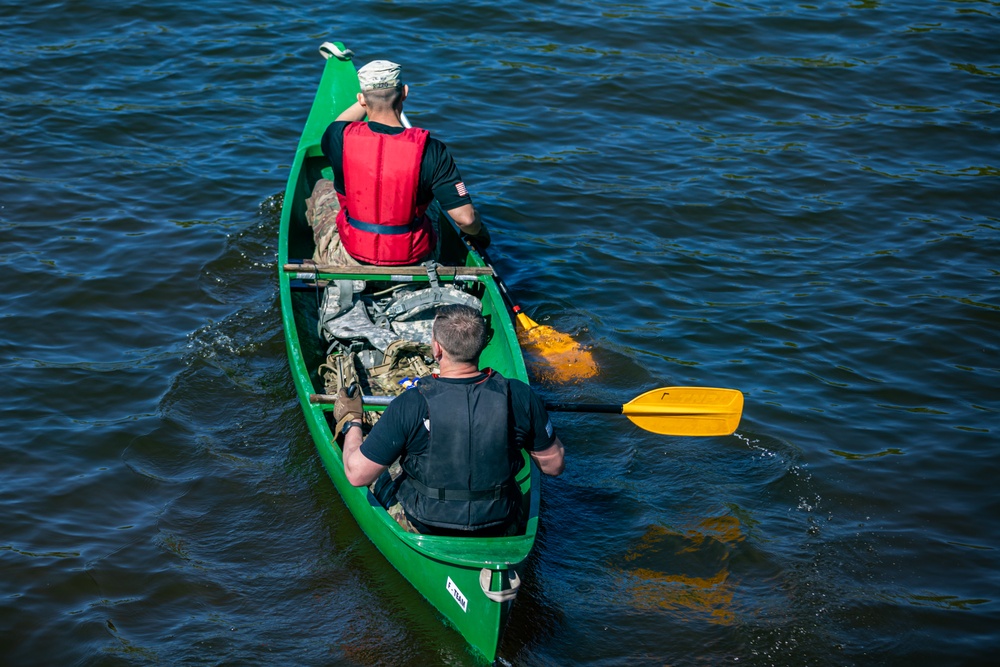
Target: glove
(482, 238)
(348, 406)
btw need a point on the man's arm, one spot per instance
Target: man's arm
(438, 170)
(467, 218)
(471, 224)
(360, 470)
(353, 113)
(551, 460)
(535, 431)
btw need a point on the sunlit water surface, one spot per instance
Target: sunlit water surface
(798, 200)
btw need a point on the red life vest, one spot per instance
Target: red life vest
(379, 220)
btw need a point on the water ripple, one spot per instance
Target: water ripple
(796, 200)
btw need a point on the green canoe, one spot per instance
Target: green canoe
(470, 581)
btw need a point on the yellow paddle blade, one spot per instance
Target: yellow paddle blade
(562, 358)
(687, 410)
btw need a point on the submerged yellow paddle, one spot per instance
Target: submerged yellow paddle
(693, 411)
(563, 359)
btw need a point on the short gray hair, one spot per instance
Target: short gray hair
(384, 99)
(461, 331)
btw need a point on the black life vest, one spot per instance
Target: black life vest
(465, 480)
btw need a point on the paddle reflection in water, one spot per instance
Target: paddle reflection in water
(684, 572)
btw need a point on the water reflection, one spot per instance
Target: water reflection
(685, 571)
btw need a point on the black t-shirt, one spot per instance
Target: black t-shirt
(401, 428)
(439, 177)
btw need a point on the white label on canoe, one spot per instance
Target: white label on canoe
(462, 601)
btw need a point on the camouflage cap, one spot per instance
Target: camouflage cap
(380, 74)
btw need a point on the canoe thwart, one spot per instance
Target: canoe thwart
(330, 399)
(308, 265)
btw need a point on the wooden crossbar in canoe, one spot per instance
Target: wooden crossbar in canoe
(308, 268)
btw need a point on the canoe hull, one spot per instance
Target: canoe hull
(447, 571)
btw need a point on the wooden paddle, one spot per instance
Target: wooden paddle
(690, 411)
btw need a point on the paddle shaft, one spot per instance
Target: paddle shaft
(516, 309)
(555, 407)
(600, 408)
(607, 408)
(633, 410)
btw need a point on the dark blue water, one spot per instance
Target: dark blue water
(797, 200)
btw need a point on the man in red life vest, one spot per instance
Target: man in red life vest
(385, 176)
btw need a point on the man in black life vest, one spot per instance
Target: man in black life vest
(458, 436)
(385, 176)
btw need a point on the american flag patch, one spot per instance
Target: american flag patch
(462, 191)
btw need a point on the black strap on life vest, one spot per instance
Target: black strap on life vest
(496, 493)
(387, 230)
